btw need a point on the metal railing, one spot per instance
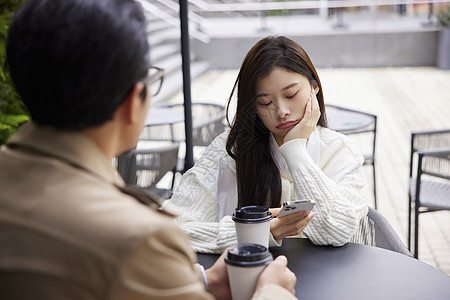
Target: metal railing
(298, 5)
(199, 7)
(198, 21)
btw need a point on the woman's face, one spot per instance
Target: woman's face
(281, 98)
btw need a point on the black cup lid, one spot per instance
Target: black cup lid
(248, 255)
(252, 214)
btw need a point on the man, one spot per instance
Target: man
(69, 227)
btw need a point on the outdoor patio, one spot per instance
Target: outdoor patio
(405, 100)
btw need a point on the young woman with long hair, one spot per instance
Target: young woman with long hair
(277, 149)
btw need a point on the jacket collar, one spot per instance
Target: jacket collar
(73, 148)
(77, 150)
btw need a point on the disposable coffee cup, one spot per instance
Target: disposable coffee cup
(245, 262)
(252, 225)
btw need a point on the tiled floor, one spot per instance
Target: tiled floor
(405, 100)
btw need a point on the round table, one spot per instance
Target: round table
(356, 271)
(164, 116)
(342, 120)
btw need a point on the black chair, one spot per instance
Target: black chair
(146, 167)
(375, 230)
(429, 177)
(385, 235)
(203, 116)
(353, 122)
(208, 122)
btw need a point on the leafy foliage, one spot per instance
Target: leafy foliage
(443, 16)
(12, 110)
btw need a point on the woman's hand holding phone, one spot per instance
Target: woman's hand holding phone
(289, 225)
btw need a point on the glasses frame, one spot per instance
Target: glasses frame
(150, 79)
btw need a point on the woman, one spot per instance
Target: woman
(278, 149)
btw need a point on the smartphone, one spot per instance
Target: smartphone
(295, 206)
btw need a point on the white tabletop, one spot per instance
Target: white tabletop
(341, 120)
(164, 116)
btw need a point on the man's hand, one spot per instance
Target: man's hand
(217, 277)
(278, 273)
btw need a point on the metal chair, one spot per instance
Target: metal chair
(203, 115)
(146, 167)
(375, 230)
(353, 122)
(429, 177)
(385, 235)
(208, 122)
(205, 132)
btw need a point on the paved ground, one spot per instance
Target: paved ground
(405, 100)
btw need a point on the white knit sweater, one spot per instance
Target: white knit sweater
(326, 168)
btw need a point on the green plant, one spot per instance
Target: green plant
(12, 110)
(443, 16)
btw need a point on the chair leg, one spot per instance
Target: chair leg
(126, 166)
(416, 232)
(374, 186)
(173, 179)
(409, 223)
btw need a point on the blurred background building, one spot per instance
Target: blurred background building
(341, 33)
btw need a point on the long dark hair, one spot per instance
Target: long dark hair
(258, 177)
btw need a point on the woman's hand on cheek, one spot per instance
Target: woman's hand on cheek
(309, 121)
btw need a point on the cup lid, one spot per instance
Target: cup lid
(252, 214)
(248, 255)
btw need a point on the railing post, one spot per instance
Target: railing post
(189, 158)
(323, 11)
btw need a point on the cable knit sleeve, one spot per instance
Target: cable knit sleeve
(198, 201)
(334, 185)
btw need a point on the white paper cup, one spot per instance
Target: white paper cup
(245, 262)
(252, 225)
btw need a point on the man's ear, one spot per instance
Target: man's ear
(132, 105)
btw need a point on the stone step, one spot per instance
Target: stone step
(173, 81)
(157, 25)
(165, 52)
(160, 52)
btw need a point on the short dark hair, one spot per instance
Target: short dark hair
(74, 61)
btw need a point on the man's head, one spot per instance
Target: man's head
(75, 61)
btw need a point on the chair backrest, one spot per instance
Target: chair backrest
(206, 125)
(146, 167)
(350, 121)
(355, 123)
(208, 121)
(385, 235)
(202, 111)
(205, 132)
(427, 140)
(434, 163)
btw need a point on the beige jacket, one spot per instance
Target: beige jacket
(67, 231)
